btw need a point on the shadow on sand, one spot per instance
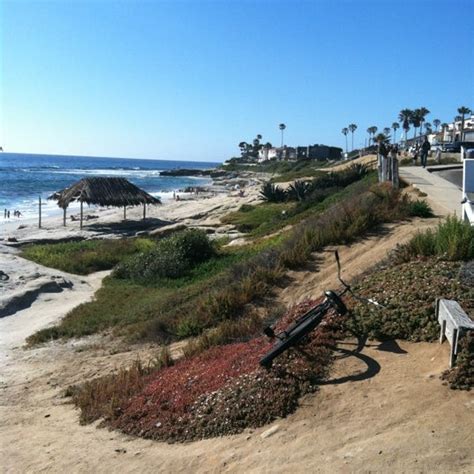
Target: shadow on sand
(128, 227)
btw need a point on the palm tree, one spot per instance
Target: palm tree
(372, 131)
(395, 127)
(463, 111)
(423, 112)
(436, 123)
(259, 137)
(428, 128)
(382, 137)
(243, 148)
(416, 120)
(404, 117)
(282, 127)
(352, 127)
(386, 131)
(345, 131)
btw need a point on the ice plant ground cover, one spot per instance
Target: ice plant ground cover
(220, 391)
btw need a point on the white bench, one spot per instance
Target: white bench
(454, 324)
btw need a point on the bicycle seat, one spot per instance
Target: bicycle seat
(336, 302)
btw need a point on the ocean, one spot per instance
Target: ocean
(25, 177)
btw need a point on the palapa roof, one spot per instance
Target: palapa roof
(117, 192)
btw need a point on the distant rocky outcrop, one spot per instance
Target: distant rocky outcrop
(212, 173)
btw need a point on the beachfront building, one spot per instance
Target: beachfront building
(309, 152)
(453, 131)
(284, 153)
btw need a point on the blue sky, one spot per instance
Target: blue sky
(190, 79)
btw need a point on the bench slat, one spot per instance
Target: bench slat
(454, 315)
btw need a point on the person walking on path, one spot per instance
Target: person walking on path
(425, 148)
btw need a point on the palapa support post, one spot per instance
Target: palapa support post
(64, 216)
(82, 213)
(125, 213)
(144, 210)
(39, 212)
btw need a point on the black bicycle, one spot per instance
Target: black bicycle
(310, 320)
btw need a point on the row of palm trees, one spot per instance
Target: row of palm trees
(411, 118)
(352, 127)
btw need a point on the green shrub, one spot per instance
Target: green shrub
(272, 193)
(172, 257)
(453, 240)
(420, 208)
(299, 191)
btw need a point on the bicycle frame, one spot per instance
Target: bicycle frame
(308, 321)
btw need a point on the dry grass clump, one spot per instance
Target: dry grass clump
(103, 397)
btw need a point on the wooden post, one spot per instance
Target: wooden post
(82, 213)
(39, 212)
(144, 210)
(124, 213)
(64, 217)
(395, 175)
(379, 162)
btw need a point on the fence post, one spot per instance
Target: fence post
(395, 175)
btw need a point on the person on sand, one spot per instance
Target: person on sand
(425, 148)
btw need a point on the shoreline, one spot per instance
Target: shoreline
(48, 289)
(194, 209)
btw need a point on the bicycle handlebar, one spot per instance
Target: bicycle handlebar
(308, 321)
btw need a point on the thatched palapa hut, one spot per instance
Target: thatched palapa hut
(115, 192)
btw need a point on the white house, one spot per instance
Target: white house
(456, 126)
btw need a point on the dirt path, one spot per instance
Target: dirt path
(355, 260)
(384, 410)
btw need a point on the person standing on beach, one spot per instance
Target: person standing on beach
(425, 148)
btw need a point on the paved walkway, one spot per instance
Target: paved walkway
(445, 194)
